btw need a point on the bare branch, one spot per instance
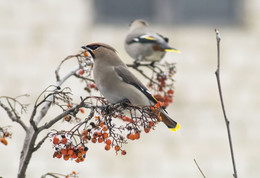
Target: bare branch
(13, 116)
(217, 73)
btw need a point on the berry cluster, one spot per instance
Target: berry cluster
(64, 148)
(106, 128)
(4, 133)
(161, 83)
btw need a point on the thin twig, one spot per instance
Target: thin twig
(217, 73)
(40, 143)
(51, 174)
(56, 119)
(58, 68)
(199, 168)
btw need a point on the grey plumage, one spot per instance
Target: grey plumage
(117, 83)
(142, 44)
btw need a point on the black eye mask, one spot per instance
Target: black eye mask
(93, 47)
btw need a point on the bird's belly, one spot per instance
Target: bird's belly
(144, 52)
(155, 56)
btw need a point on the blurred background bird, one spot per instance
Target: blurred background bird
(117, 84)
(142, 44)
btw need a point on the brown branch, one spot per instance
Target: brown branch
(199, 168)
(217, 73)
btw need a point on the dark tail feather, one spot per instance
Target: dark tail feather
(171, 124)
(167, 48)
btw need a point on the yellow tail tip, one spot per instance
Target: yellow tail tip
(172, 50)
(175, 128)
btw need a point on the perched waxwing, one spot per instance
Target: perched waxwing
(117, 84)
(142, 44)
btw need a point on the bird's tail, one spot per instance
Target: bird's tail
(172, 50)
(167, 48)
(171, 124)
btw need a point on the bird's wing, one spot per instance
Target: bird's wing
(129, 78)
(157, 39)
(147, 38)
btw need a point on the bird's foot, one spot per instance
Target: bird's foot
(124, 103)
(152, 64)
(136, 64)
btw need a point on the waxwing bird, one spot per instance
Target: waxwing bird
(142, 44)
(117, 84)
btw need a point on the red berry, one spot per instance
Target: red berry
(58, 155)
(108, 142)
(123, 152)
(82, 110)
(86, 54)
(131, 136)
(80, 148)
(100, 140)
(64, 151)
(166, 103)
(170, 92)
(151, 123)
(64, 140)
(70, 152)
(55, 140)
(99, 134)
(94, 140)
(66, 157)
(105, 128)
(85, 132)
(81, 71)
(105, 135)
(74, 155)
(107, 147)
(92, 85)
(147, 130)
(137, 135)
(69, 105)
(117, 148)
